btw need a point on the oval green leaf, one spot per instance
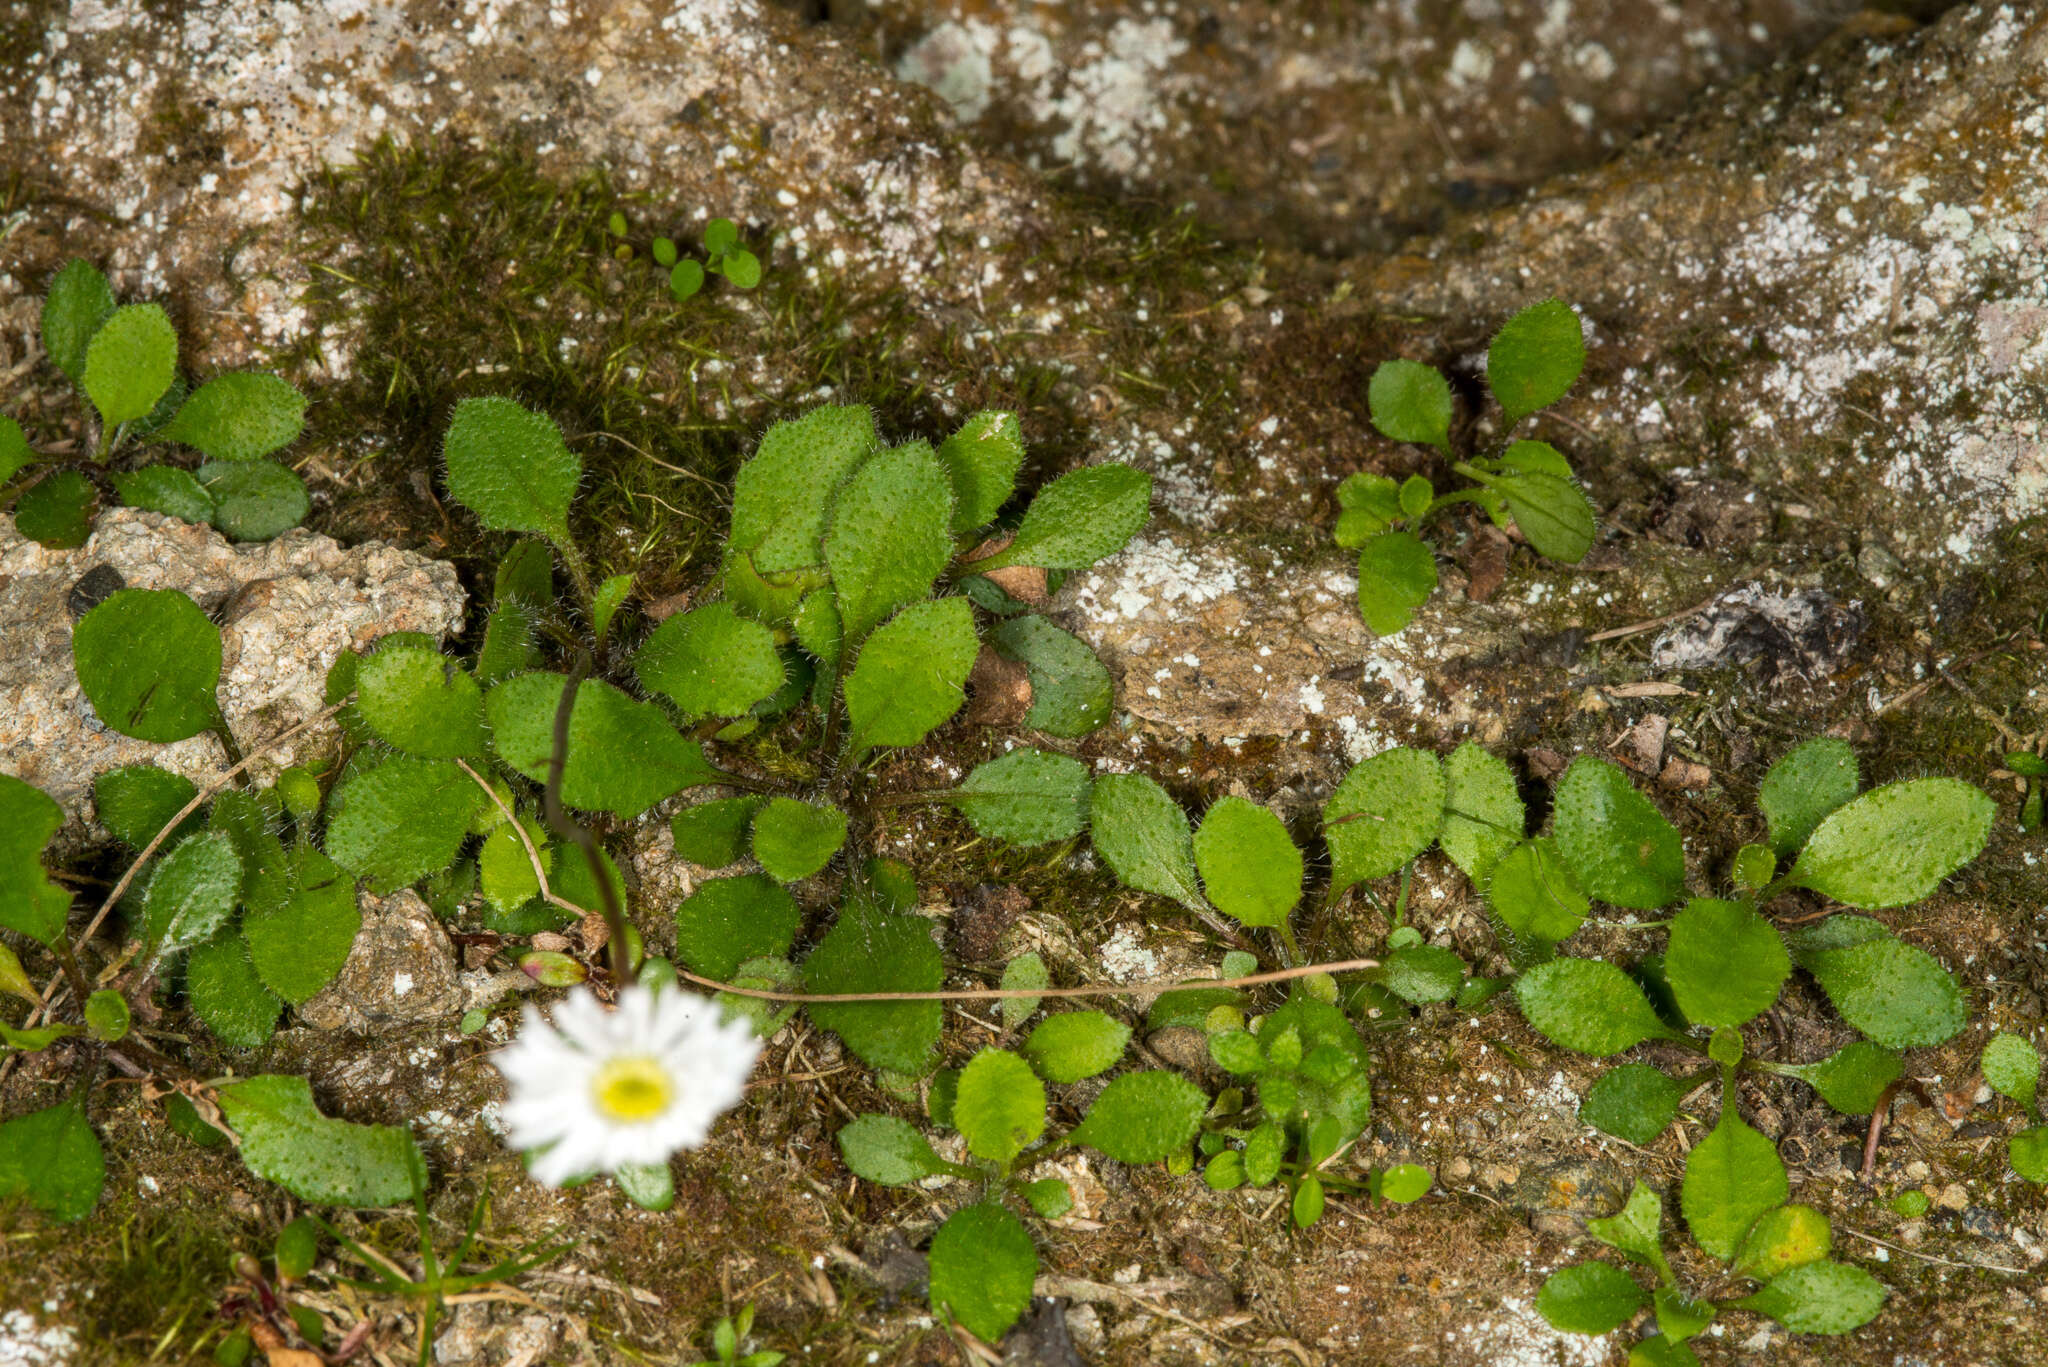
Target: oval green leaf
(1588, 1005)
(1895, 844)
(1619, 846)
(1249, 865)
(1386, 811)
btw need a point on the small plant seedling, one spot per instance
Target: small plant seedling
(2012, 1066)
(124, 361)
(1529, 485)
(728, 1334)
(723, 255)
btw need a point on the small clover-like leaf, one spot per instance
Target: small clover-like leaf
(1534, 893)
(225, 992)
(624, 756)
(727, 921)
(711, 662)
(911, 675)
(1027, 797)
(56, 511)
(324, 1162)
(999, 1107)
(1083, 516)
(30, 903)
(1725, 963)
(883, 1149)
(1819, 1298)
(129, 363)
(510, 467)
(982, 460)
(192, 893)
(1811, 781)
(240, 416)
(1853, 1078)
(166, 489)
(1782, 1239)
(982, 1268)
(1589, 1298)
(1634, 1102)
(1535, 357)
(2012, 1065)
(793, 840)
(1071, 691)
(1731, 1177)
(1142, 834)
(1143, 1117)
(714, 834)
(254, 500)
(1396, 575)
(1483, 813)
(1588, 1005)
(1385, 812)
(421, 702)
(873, 949)
(53, 1158)
(886, 539)
(1896, 993)
(1074, 1045)
(79, 303)
(298, 948)
(1619, 846)
(401, 820)
(1410, 401)
(1895, 844)
(1250, 867)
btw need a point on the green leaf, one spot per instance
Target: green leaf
(1250, 867)
(886, 540)
(715, 834)
(240, 416)
(870, 949)
(325, 1162)
(504, 871)
(663, 250)
(56, 511)
(743, 268)
(711, 662)
(129, 363)
(721, 235)
(166, 489)
(1386, 811)
(982, 1268)
(1637, 1229)
(2012, 1065)
(254, 500)
(1143, 1117)
(685, 278)
(650, 1186)
(1071, 691)
(421, 702)
(226, 993)
(1076, 1044)
(192, 893)
(1411, 402)
(793, 840)
(299, 948)
(982, 460)
(14, 450)
(510, 467)
(1552, 511)
(1307, 1206)
(1659, 1351)
(1396, 575)
(14, 979)
(1895, 844)
(1027, 970)
(1142, 834)
(1731, 1177)
(1535, 894)
(999, 1107)
(1811, 781)
(1078, 519)
(624, 756)
(1483, 813)
(1049, 1197)
(1853, 1078)
(297, 1249)
(1404, 1183)
(1679, 1317)
(911, 674)
(106, 1015)
(1423, 973)
(1819, 1298)
(885, 1150)
(1027, 797)
(401, 820)
(605, 601)
(79, 303)
(511, 643)
(53, 1158)
(727, 921)
(1898, 995)
(1782, 1239)
(1725, 963)
(1633, 1102)
(36, 1040)
(30, 904)
(1534, 358)
(1589, 1298)
(2027, 1150)
(1588, 1005)
(1618, 846)
(779, 499)
(1369, 504)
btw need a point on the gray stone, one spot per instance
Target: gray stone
(400, 972)
(286, 609)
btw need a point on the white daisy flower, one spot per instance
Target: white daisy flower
(600, 1090)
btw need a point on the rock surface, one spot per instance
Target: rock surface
(286, 609)
(401, 971)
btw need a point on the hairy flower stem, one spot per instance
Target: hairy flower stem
(559, 821)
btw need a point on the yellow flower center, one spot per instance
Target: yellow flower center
(632, 1089)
